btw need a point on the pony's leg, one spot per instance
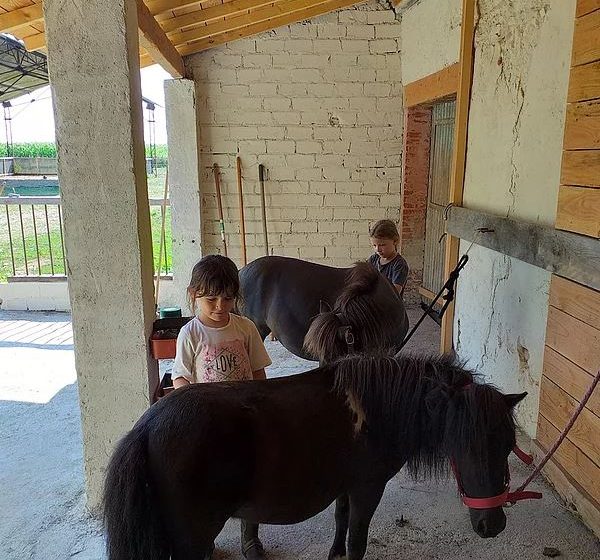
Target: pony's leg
(363, 503)
(342, 514)
(197, 542)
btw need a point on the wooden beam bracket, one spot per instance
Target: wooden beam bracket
(567, 254)
(155, 41)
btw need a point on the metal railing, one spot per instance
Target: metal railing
(32, 237)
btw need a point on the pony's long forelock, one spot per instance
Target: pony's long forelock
(356, 306)
(428, 407)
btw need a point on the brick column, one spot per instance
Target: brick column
(415, 180)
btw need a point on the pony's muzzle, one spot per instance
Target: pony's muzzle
(488, 522)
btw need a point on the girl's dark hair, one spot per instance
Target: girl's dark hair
(213, 275)
(385, 229)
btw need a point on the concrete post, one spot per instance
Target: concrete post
(184, 181)
(94, 72)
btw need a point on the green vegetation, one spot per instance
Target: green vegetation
(34, 149)
(48, 149)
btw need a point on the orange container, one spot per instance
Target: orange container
(163, 342)
(163, 348)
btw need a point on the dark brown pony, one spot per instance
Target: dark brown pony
(284, 295)
(281, 450)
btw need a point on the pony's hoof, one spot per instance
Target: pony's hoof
(210, 554)
(253, 550)
(255, 553)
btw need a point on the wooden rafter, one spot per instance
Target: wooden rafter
(154, 40)
(174, 36)
(244, 26)
(16, 19)
(161, 6)
(35, 42)
(214, 13)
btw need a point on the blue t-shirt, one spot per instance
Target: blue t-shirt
(396, 271)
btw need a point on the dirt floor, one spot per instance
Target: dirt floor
(42, 502)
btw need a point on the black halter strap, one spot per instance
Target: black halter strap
(346, 332)
(449, 296)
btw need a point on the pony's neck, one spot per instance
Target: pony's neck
(405, 401)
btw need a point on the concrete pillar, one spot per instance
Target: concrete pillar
(94, 72)
(184, 182)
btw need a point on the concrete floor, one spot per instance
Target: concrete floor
(42, 513)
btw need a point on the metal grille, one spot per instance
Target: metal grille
(440, 168)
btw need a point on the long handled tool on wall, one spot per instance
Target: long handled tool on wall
(162, 237)
(241, 201)
(220, 207)
(261, 180)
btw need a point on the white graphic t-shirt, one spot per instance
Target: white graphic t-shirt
(230, 353)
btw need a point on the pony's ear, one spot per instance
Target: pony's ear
(324, 307)
(514, 399)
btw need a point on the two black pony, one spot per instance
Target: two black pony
(281, 450)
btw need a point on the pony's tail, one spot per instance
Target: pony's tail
(133, 527)
(322, 339)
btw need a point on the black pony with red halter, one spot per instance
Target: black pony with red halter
(506, 497)
(431, 412)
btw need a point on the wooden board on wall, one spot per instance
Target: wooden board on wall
(579, 301)
(572, 459)
(434, 87)
(584, 83)
(586, 6)
(582, 126)
(575, 497)
(557, 407)
(581, 167)
(586, 39)
(570, 378)
(565, 253)
(574, 339)
(578, 210)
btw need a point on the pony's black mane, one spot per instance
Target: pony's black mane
(361, 280)
(359, 307)
(430, 407)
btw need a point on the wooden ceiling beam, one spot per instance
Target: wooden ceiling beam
(214, 13)
(9, 21)
(310, 10)
(161, 6)
(155, 41)
(35, 42)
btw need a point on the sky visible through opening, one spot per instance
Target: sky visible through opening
(33, 120)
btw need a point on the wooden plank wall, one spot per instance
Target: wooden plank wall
(572, 352)
(579, 194)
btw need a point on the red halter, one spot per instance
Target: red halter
(507, 498)
(501, 500)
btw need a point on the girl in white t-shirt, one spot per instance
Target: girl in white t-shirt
(217, 345)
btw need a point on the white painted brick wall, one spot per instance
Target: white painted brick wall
(319, 104)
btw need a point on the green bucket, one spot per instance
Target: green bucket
(170, 312)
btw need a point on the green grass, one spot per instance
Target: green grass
(156, 184)
(155, 188)
(46, 244)
(48, 149)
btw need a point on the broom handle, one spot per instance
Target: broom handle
(241, 202)
(220, 207)
(263, 206)
(162, 237)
